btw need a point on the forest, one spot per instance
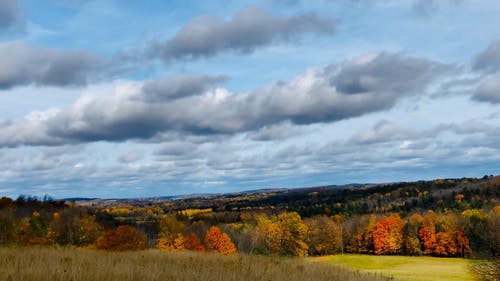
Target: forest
(445, 218)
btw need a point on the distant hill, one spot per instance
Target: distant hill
(348, 199)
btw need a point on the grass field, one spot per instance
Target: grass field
(40, 264)
(406, 268)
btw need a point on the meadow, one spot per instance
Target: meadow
(63, 264)
(405, 268)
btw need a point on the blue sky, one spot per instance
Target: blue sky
(151, 98)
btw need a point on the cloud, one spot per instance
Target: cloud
(176, 149)
(489, 59)
(23, 64)
(386, 73)
(131, 156)
(9, 14)
(328, 94)
(163, 90)
(276, 132)
(488, 90)
(383, 131)
(247, 30)
(386, 132)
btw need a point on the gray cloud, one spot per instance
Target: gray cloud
(23, 64)
(323, 95)
(131, 156)
(489, 59)
(9, 14)
(488, 90)
(163, 90)
(176, 148)
(248, 29)
(276, 132)
(386, 73)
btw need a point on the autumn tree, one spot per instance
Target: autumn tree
(324, 236)
(446, 237)
(89, 230)
(388, 235)
(411, 241)
(284, 234)
(72, 227)
(193, 243)
(170, 230)
(294, 234)
(475, 224)
(218, 241)
(269, 235)
(427, 233)
(362, 240)
(123, 238)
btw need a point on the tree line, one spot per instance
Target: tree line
(468, 233)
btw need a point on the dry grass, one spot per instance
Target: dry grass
(30, 264)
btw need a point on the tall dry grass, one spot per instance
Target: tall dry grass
(39, 264)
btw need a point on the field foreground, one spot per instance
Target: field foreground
(30, 264)
(406, 268)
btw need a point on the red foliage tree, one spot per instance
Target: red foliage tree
(192, 242)
(123, 238)
(427, 234)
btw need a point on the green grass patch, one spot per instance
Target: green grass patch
(406, 268)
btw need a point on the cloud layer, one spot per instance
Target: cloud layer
(191, 104)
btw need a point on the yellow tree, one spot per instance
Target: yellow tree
(170, 229)
(270, 234)
(294, 233)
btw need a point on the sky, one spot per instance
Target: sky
(123, 98)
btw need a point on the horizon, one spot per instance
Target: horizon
(124, 99)
(193, 195)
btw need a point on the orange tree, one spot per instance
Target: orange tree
(388, 235)
(218, 241)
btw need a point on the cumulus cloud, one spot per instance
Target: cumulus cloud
(248, 29)
(328, 94)
(489, 59)
(23, 64)
(9, 14)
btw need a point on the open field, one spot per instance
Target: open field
(30, 264)
(406, 268)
